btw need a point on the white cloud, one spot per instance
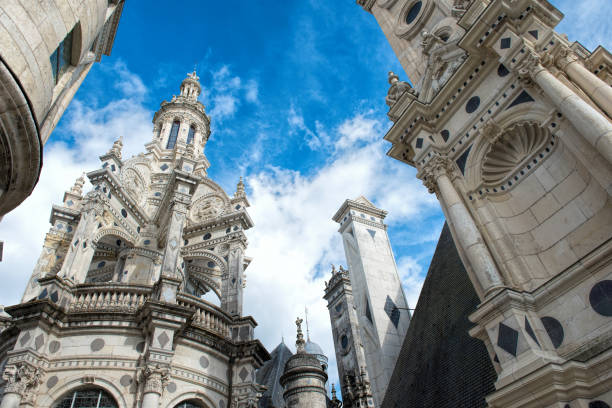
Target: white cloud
(295, 240)
(358, 129)
(227, 93)
(297, 126)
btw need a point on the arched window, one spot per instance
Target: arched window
(173, 134)
(87, 398)
(190, 134)
(189, 404)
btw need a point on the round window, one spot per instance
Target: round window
(414, 12)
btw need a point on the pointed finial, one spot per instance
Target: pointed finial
(299, 343)
(77, 188)
(333, 269)
(240, 189)
(117, 146)
(393, 78)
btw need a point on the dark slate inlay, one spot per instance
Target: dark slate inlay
(206, 236)
(221, 404)
(344, 341)
(163, 339)
(507, 339)
(502, 71)
(140, 347)
(338, 307)
(157, 194)
(113, 168)
(54, 297)
(598, 404)
(171, 387)
(462, 160)
(243, 374)
(372, 233)
(413, 12)
(554, 330)
(534, 33)
(210, 264)
(43, 294)
(164, 167)
(124, 213)
(204, 363)
(445, 135)
(472, 104)
(97, 344)
(54, 346)
(530, 332)
(39, 341)
(392, 311)
(496, 359)
(505, 43)
(24, 339)
(52, 382)
(600, 298)
(523, 97)
(368, 311)
(101, 264)
(419, 143)
(126, 380)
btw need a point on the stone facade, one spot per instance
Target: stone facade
(114, 308)
(46, 50)
(368, 310)
(509, 124)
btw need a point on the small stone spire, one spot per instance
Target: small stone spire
(299, 343)
(307, 329)
(117, 146)
(77, 188)
(240, 189)
(190, 87)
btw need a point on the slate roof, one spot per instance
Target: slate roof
(269, 375)
(439, 364)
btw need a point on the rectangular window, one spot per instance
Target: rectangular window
(190, 135)
(61, 58)
(173, 135)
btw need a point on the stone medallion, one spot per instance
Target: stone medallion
(97, 345)
(52, 382)
(206, 208)
(204, 362)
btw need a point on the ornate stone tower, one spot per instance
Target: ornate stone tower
(514, 136)
(381, 309)
(350, 355)
(46, 51)
(114, 310)
(304, 378)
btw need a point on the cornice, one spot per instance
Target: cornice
(354, 205)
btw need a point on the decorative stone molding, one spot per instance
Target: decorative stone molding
(565, 57)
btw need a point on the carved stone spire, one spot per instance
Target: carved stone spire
(116, 149)
(77, 188)
(240, 189)
(299, 344)
(190, 87)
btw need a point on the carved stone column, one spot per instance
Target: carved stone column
(595, 128)
(435, 176)
(232, 284)
(82, 249)
(590, 83)
(21, 388)
(154, 380)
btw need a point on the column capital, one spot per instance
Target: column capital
(155, 377)
(23, 379)
(532, 65)
(565, 57)
(435, 168)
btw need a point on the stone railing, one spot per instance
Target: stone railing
(207, 316)
(108, 298)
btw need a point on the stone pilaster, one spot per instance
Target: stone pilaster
(232, 284)
(154, 379)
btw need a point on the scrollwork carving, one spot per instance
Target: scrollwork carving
(155, 378)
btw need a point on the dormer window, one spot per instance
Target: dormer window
(173, 134)
(61, 58)
(190, 134)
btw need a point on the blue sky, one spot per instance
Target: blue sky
(295, 91)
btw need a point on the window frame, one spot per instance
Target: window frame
(173, 135)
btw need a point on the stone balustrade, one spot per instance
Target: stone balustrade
(109, 298)
(206, 315)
